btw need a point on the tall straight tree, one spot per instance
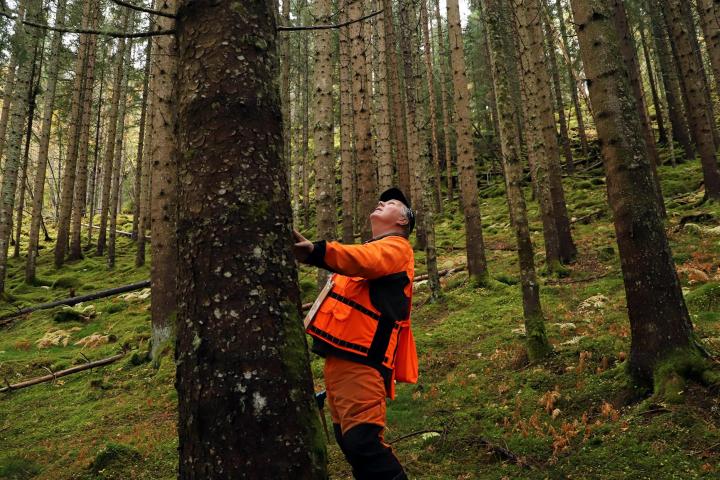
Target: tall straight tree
(475, 245)
(445, 82)
(346, 131)
(139, 163)
(42, 159)
(163, 217)
(323, 131)
(144, 205)
(109, 158)
(9, 85)
(365, 168)
(709, 12)
(24, 41)
(662, 134)
(659, 320)
(701, 124)
(76, 114)
(500, 27)
(669, 74)
(79, 197)
(382, 107)
(238, 380)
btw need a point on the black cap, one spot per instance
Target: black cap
(397, 194)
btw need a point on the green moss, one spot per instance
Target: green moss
(17, 468)
(115, 307)
(66, 282)
(114, 456)
(67, 314)
(706, 297)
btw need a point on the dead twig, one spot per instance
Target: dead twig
(415, 434)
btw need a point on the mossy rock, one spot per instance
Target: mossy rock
(66, 282)
(67, 314)
(16, 468)
(704, 298)
(116, 307)
(506, 279)
(114, 456)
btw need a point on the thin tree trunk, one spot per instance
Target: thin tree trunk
(709, 12)
(346, 133)
(109, 158)
(559, 104)
(669, 74)
(573, 84)
(444, 83)
(228, 390)
(165, 183)
(76, 115)
(500, 30)
(285, 84)
(42, 161)
(24, 41)
(693, 75)
(32, 102)
(477, 264)
(306, 135)
(116, 188)
(147, 162)
(382, 107)
(662, 134)
(366, 169)
(141, 142)
(659, 321)
(396, 99)
(9, 86)
(96, 156)
(430, 78)
(80, 194)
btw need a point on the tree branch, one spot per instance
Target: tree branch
(143, 9)
(328, 27)
(89, 31)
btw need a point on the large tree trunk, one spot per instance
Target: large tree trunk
(80, 194)
(346, 134)
(572, 84)
(116, 187)
(76, 115)
(42, 160)
(236, 380)
(395, 96)
(700, 121)
(445, 82)
(366, 168)
(503, 65)
(163, 223)
(24, 42)
(109, 159)
(477, 264)
(669, 73)
(659, 320)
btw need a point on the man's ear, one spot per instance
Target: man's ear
(403, 221)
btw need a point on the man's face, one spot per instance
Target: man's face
(387, 214)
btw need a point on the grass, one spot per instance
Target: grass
(577, 416)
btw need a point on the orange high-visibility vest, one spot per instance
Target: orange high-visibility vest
(366, 315)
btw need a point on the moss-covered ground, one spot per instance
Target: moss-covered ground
(575, 416)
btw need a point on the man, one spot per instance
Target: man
(362, 328)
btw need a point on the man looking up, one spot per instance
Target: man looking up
(362, 328)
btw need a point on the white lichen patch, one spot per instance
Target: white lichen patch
(259, 402)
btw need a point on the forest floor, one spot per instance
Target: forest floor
(492, 415)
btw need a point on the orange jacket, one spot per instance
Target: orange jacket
(366, 316)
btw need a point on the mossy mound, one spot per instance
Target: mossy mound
(114, 457)
(66, 282)
(116, 307)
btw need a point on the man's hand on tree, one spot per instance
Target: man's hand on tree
(302, 247)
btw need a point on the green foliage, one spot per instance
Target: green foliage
(704, 298)
(17, 468)
(114, 456)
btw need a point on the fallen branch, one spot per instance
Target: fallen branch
(328, 27)
(5, 319)
(579, 280)
(415, 434)
(143, 9)
(504, 453)
(62, 373)
(119, 232)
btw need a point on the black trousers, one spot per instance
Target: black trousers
(369, 457)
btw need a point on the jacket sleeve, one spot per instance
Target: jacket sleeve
(370, 260)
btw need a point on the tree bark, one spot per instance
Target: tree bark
(669, 74)
(709, 12)
(691, 70)
(80, 194)
(384, 147)
(109, 158)
(445, 82)
(24, 40)
(147, 163)
(662, 134)
(366, 168)
(165, 155)
(477, 264)
(659, 320)
(76, 115)
(572, 83)
(500, 29)
(346, 133)
(396, 99)
(9, 86)
(42, 160)
(238, 380)
(139, 163)
(96, 155)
